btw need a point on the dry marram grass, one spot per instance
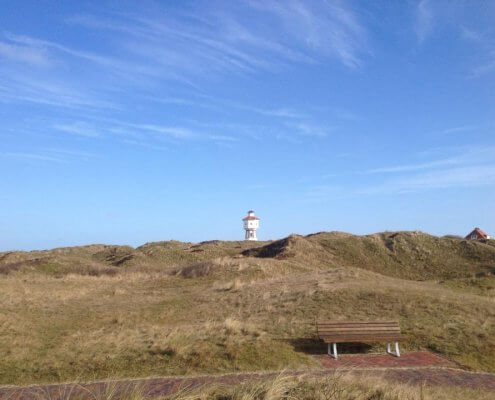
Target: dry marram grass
(179, 308)
(337, 387)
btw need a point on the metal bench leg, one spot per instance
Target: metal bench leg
(330, 352)
(397, 352)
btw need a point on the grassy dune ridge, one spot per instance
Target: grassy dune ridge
(177, 308)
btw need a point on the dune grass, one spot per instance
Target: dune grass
(163, 314)
(340, 386)
(88, 327)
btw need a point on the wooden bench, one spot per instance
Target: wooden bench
(359, 332)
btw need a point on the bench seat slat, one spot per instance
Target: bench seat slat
(357, 338)
(362, 340)
(377, 329)
(361, 335)
(352, 331)
(358, 333)
(369, 328)
(357, 323)
(341, 339)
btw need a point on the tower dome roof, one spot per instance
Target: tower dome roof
(250, 216)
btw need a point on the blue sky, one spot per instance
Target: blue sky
(127, 122)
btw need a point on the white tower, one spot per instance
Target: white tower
(251, 223)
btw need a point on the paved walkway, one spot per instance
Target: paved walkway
(416, 359)
(414, 368)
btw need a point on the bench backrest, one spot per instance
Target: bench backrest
(346, 332)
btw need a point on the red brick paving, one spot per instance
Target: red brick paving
(443, 377)
(406, 360)
(413, 368)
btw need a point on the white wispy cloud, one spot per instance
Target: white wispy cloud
(425, 19)
(150, 135)
(462, 19)
(484, 68)
(16, 86)
(458, 177)
(462, 128)
(129, 69)
(162, 42)
(71, 153)
(328, 28)
(175, 132)
(283, 121)
(485, 43)
(123, 128)
(414, 167)
(471, 34)
(185, 47)
(27, 76)
(444, 178)
(180, 132)
(24, 54)
(473, 167)
(145, 144)
(78, 128)
(221, 40)
(35, 157)
(181, 101)
(275, 112)
(223, 138)
(306, 128)
(464, 156)
(51, 155)
(222, 105)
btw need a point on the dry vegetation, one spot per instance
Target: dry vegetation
(342, 387)
(284, 387)
(339, 387)
(178, 308)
